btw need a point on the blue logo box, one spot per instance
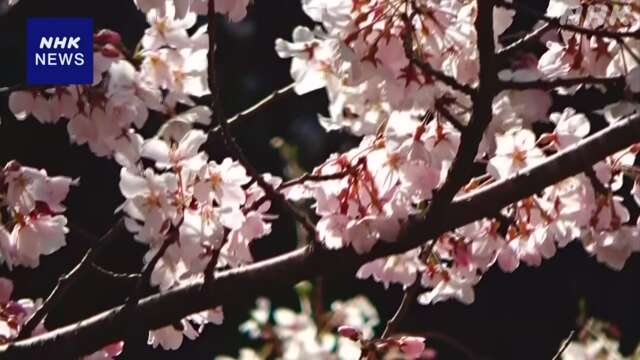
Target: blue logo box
(59, 51)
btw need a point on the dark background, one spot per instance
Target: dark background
(524, 315)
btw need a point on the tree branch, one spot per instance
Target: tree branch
(306, 263)
(409, 297)
(425, 67)
(65, 282)
(516, 46)
(564, 345)
(145, 277)
(563, 82)
(259, 106)
(444, 111)
(230, 142)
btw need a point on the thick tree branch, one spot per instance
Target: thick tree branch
(306, 263)
(460, 173)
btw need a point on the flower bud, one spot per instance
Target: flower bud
(110, 51)
(106, 36)
(15, 309)
(12, 165)
(349, 332)
(412, 346)
(6, 288)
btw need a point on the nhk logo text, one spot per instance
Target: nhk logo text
(53, 58)
(59, 51)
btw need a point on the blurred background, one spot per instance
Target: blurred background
(524, 315)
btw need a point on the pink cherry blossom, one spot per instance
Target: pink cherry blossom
(515, 151)
(412, 346)
(185, 151)
(221, 183)
(37, 235)
(570, 127)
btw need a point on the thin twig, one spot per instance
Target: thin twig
(516, 46)
(442, 109)
(314, 178)
(230, 142)
(66, 281)
(564, 82)
(145, 276)
(116, 276)
(24, 87)
(564, 345)
(598, 186)
(409, 297)
(427, 69)
(259, 106)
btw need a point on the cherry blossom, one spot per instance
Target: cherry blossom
(570, 127)
(222, 183)
(412, 346)
(171, 337)
(300, 337)
(34, 200)
(184, 153)
(148, 200)
(14, 312)
(515, 151)
(309, 66)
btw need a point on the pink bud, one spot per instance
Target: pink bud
(15, 309)
(412, 346)
(110, 51)
(349, 332)
(106, 36)
(114, 349)
(6, 288)
(614, 331)
(12, 165)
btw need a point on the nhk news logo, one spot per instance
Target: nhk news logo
(59, 51)
(599, 14)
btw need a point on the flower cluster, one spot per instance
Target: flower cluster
(596, 340)
(199, 213)
(302, 335)
(402, 75)
(345, 331)
(31, 217)
(13, 314)
(371, 56)
(390, 70)
(234, 10)
(168, 69)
